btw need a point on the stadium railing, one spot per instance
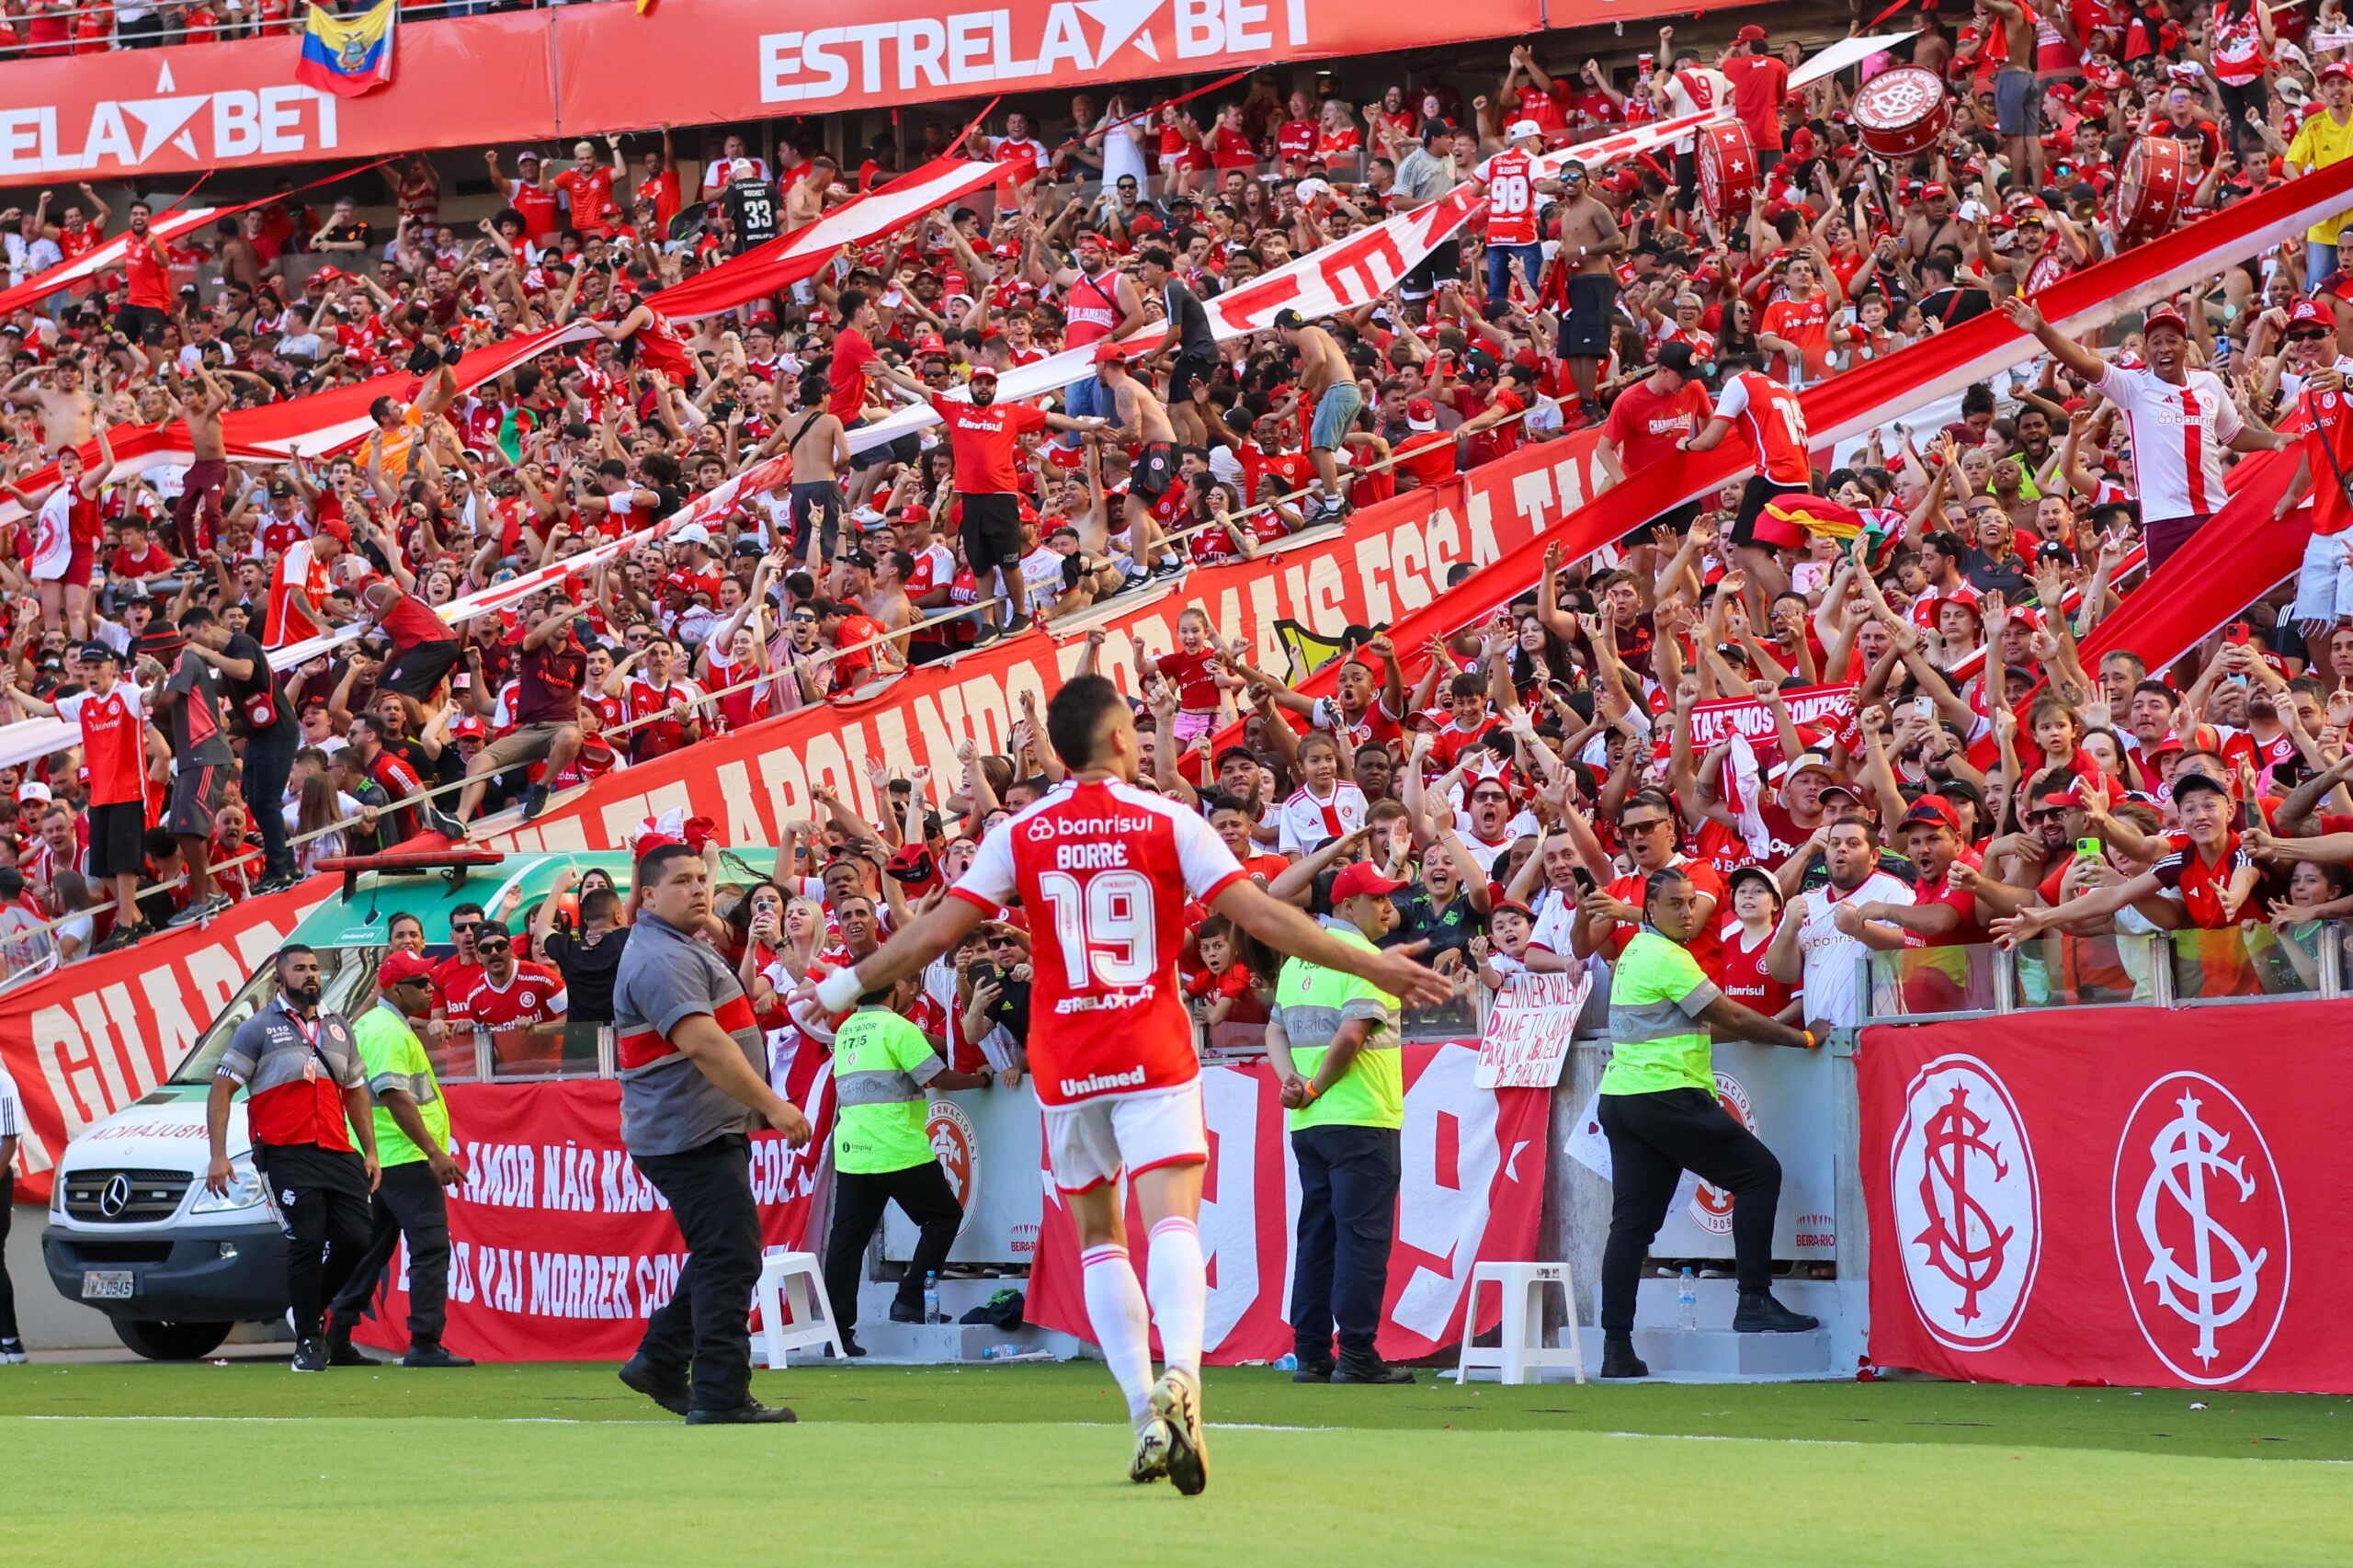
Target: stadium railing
(2233, 966)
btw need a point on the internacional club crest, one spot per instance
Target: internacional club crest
(1712, 1206)
(2202, 1228)
(1968, 1207)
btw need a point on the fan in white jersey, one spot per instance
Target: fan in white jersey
(1105, 870)
(2180, 420)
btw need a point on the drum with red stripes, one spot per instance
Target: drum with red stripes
(1727, 166)
(2156, 184)
(1902, 111)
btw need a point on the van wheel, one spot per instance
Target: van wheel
(171, 1341)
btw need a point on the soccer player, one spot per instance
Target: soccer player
(1106, 870)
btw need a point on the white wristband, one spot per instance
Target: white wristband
(840, 990)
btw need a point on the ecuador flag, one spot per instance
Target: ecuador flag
(348, 55)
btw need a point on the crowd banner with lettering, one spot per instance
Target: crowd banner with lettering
(1382, 562)
(1527, 1036)
(1472, 1190)
(92, 1037)
(2130, 1197)
(560, 1248)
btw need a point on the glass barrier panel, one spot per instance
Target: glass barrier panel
(1909, 982)
(2060, 968)
(530, 1051)
(1230, 1039)
(2247, 960)
(1456, 1018)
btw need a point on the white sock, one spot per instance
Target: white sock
(1179, 1286)
(1116, 1309)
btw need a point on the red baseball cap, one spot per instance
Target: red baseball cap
(1752, 33)
(1109, 352)
(336, 529)
(401, 966)
(2311, 313)
(1361, 877)
(1421, 415)
(2163, 315)
(469, 729)
(983, 372)
(1933, 809)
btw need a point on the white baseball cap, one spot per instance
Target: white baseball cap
(1519, 128)
(693, 533)
(1311, 187)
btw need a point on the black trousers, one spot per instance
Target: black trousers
(8, 1292)
(1653, 1139)
(410, 1203)
(269, 759)
(320, 1199)
(923, 1195)
(701, 1329)
(1347, 1218)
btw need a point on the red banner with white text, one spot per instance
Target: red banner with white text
(2126, 1197)
(1384, 562)
(90, 1038)
(582, 70)
(1470, 1190)
(559, 1247)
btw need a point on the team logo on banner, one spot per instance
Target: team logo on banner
(1711, 1206)
(1968, 1207)
(2202, 1228)
(957, 1147)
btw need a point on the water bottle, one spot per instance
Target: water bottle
(931, 1296)
(996, 1352)
(1287, 1362)
(1686, 1300)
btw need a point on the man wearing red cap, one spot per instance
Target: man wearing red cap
(304, 574)
(2326, 137)
(1759, 82)
(412, 1148)
(1334, 1044)
(1426, 457)
(2324, 467)
(2181, 419)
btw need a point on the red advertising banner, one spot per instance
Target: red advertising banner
(87, 1041)
(1472, 1188)
(559, 1248)
(2125, 1197)
(1384, 562)
(198, 107)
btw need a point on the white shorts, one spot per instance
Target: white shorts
(2324, 582)
(1088, 1142)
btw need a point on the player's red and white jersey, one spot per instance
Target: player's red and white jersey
(1105, 871)
(1769, 414)
(1511, 198)
(535, 995)
(2178, 434)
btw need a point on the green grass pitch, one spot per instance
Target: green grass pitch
(246, 1463)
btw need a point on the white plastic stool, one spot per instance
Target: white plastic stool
(1521, 1356)
(795, 1276)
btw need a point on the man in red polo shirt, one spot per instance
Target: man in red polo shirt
(1426, 457)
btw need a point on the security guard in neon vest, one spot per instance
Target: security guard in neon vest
(1660, 1112)
(1334, 1043)
(884, 1069)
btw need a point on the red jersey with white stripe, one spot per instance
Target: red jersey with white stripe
(114, 742)
(1769, 414)
(2328, 453)
(1105, 871)
(298, 569)
(2178, 436)
(535, 995)
(1511, 198)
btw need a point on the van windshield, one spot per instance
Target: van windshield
(347, 984)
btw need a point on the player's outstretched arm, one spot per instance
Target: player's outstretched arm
(1289, 930)
(934, 932)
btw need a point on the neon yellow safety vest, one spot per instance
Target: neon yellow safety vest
(1311, 1003)
(881, 1065)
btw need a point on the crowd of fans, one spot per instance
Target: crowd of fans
(32, 29)
(1521, 776)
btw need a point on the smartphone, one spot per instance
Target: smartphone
(2241, 633)
(2087, 849)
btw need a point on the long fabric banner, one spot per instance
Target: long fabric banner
(1385, 562)
(87, 1041)
(2121, 1196)
(108, 254)
(560, 1248)
(1471, 1191)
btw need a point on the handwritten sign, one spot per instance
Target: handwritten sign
(1527, 1039)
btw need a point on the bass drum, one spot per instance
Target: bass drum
(2154, 188)
(1902, 111)
(1727, 169)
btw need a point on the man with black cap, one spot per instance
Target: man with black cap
(1659, 1110)
(413, 1150)
(1645, 422)
(1334, 1044)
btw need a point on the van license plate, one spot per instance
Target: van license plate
(106, 1284)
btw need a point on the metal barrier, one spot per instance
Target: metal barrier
(2236, 965)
